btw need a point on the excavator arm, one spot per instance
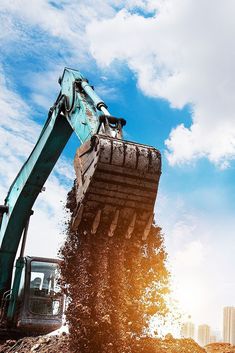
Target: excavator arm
(77, 109)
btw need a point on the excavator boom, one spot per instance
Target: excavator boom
(74, 111)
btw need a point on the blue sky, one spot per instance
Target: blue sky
(173, 81)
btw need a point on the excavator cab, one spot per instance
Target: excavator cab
(35, 303)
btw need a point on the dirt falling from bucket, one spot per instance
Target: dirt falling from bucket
(114, 286)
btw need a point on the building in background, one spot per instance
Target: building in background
(187, 330)
(229, 325)
(203, 335)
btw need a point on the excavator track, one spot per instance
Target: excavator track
(116, 186)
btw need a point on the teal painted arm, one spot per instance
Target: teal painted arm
(76, 109)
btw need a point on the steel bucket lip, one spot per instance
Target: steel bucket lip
(125, 141)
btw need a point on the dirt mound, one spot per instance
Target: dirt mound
(151, 345)
(59, 344)
(40, 344)
(220, 348)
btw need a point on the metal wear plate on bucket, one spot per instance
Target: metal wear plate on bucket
(116, 185)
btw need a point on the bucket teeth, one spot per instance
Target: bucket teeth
(114, 224)
(148, 227)
(96, 222)
(78, 217)
(131, 227)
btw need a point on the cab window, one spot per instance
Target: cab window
(44, 296)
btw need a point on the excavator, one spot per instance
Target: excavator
(116, 186)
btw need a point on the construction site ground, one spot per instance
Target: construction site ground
(60, 344)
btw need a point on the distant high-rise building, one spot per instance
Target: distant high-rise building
(229, 325)
(187, 330)
(203, 335)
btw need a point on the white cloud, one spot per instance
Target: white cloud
(183, 54)
(63, 21)
(172, 56)
(44, 86)
(53, 35)
(190, 256)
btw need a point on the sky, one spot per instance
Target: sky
(168, 68)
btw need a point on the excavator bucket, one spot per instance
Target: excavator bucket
(116, 186)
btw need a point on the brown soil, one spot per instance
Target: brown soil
(59, 344)
(41, 344)
(220, 348)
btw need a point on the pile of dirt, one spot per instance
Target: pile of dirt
(114, 284)
(151, 345)
(40, 344)
(59, 344)
(220, 348)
